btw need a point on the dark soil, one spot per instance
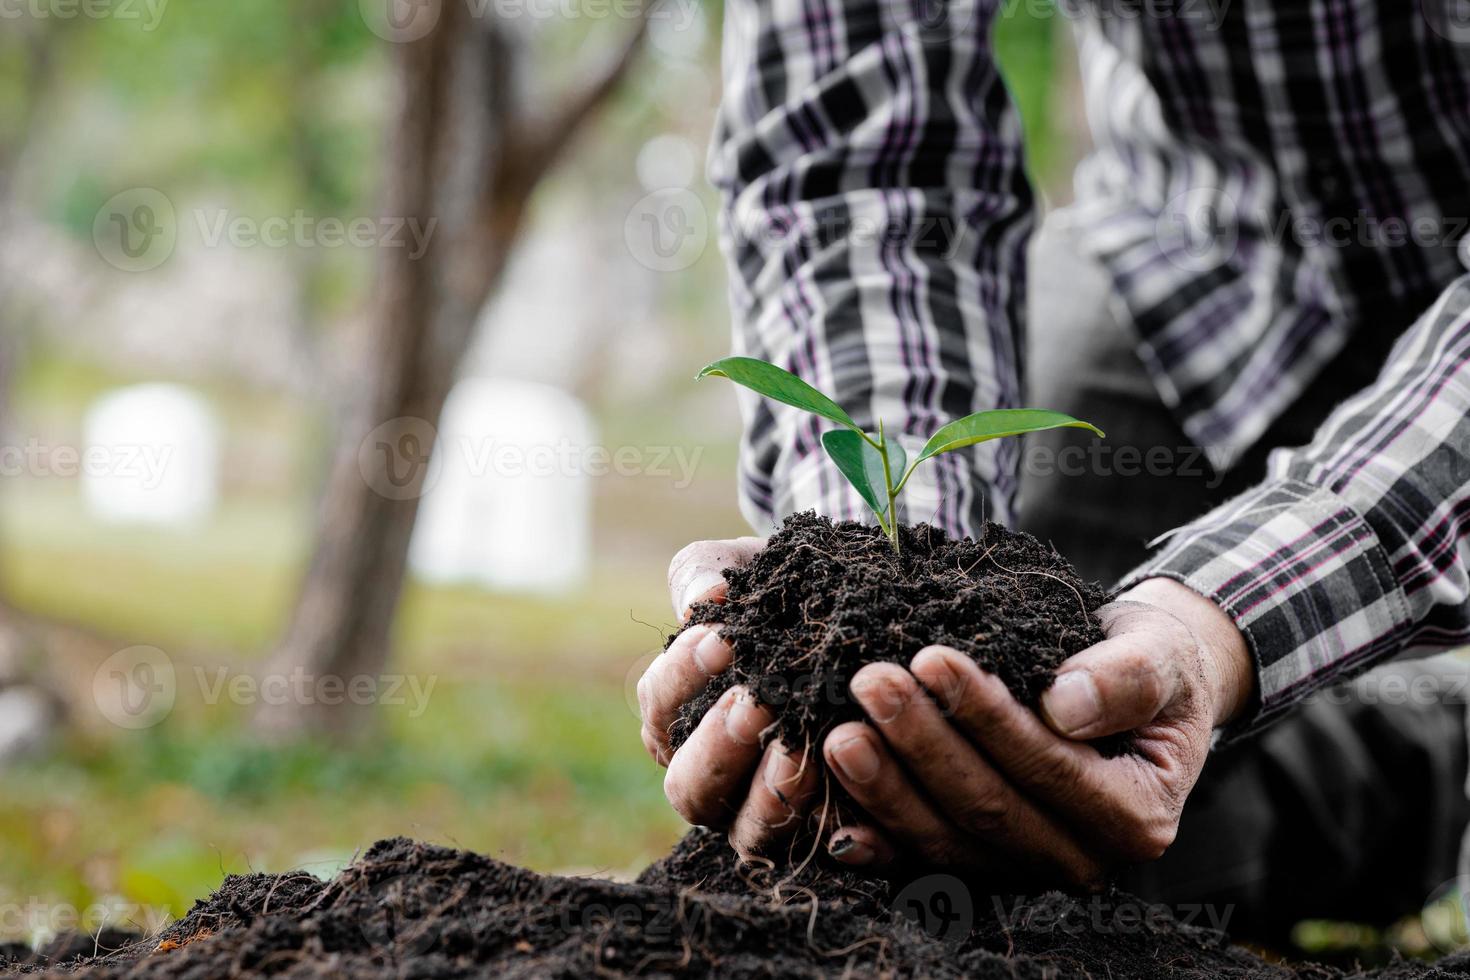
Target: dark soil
(414, 910)
(819, 602)
(822, 599)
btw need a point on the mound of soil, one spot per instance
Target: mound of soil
(415, 910)
(822, 599)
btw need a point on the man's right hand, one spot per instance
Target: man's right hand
(720, 777)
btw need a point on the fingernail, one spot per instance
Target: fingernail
(697, 587)
(881, 698)
(780, 774)
(743, 722)
(712, 654)
(939, 677)
(1072, 704)
(856, 758)
(849, 850)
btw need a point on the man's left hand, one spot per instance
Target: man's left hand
(953, 771)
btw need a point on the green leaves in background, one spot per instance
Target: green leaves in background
(984, 426)
(779, 385)
(863, 466)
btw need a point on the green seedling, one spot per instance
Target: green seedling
(876, 466)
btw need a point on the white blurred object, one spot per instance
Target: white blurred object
(28, 720)
(151, 457)
(667, 160)
(512, 509)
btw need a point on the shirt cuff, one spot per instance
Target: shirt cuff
(1305, 579)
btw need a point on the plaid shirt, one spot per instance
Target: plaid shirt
(1268, 179)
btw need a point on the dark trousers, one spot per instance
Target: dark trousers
(1353, 808)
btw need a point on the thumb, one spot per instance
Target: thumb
(1118, 685)
(696, 573)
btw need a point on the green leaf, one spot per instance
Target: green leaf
(984, 426)
(783, 386)
(863, 467)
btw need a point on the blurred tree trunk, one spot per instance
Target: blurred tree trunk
(465, 155)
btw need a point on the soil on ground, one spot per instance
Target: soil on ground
(407, 909)
(819, 602)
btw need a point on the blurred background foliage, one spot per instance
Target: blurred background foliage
(528, 748)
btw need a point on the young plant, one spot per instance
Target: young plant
(876, 466)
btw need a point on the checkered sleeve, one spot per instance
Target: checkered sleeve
(874, 219)
(1357, 547)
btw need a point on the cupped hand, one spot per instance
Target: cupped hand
(953, 771)
(720, 776)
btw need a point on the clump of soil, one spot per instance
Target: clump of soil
(415, 910)
(822, 599)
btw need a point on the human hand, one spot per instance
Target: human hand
(953, 771)
(720, 777)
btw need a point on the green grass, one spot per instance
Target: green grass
(528, 748)
(540, 771)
